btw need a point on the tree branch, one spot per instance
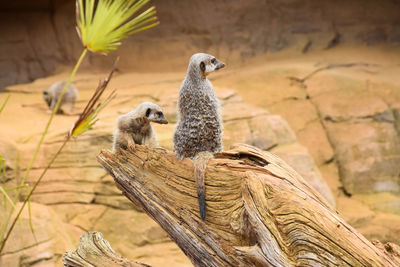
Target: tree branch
(259, 210)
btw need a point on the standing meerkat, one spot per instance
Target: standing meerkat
(199, 130)
(52, 94)
(135, 127)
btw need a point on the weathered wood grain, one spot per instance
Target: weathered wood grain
(260, 212)
(94, 250)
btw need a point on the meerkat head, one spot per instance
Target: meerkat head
(204, 64)
(152, 112)
(47, 97)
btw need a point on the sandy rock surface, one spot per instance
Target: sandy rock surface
(338, 128)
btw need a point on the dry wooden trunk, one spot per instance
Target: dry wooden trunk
(260, 212)
(94, 250)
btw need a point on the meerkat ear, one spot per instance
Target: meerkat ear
(148, 112)
(202, 66)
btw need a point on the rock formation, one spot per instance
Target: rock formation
(39, 36)
(310, 123)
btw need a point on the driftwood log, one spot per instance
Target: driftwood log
(260, 212)
(94, 250)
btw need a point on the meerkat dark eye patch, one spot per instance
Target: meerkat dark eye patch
(45, 93)
(160, 113)
(214, 60)
(148, 111)
(202, 66)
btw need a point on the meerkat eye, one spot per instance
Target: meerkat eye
(160, 113)
(148, 111)
(213, 61)
(45, 93)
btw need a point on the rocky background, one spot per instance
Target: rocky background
(316, 82)
(39, 36)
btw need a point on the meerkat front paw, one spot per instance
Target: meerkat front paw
(130, 143)
(132, 146)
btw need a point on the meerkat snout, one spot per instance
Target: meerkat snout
(156, 116)
(210, 64)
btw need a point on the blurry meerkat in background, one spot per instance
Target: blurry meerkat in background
(67, 104)
(135, 127)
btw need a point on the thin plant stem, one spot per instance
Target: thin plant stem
(6, 196)
(4, 226)
(4, 103)
(15, 188)
(30, 194)
(46, 129)
(30, 218)
(3, 174)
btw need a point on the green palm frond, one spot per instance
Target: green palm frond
(103, 24)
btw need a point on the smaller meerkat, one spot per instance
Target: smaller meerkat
(52, 94)
(135, 127)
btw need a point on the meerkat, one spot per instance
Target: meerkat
(198, 133)
(52, 94)
(135, 127)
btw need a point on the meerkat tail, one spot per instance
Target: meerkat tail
(199, 173)
(200, 165)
